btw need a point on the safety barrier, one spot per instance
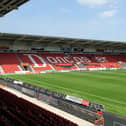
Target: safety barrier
(53, 98)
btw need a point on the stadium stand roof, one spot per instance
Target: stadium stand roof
(16, 38)
(8, 5)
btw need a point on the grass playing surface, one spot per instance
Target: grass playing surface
(104, 87)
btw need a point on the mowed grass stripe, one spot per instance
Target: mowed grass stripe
(49, 85)
(108, 87)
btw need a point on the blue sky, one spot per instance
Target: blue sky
(88, 19)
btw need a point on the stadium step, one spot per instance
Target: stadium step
(1, 70)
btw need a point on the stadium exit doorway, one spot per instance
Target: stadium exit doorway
(26, 67)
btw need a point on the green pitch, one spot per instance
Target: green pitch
(104, 87)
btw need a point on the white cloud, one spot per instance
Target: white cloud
(109, 3)
(93, 2)
(111, 6)
(108, 13)
(114, 4)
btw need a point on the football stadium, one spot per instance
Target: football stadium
(60, 81)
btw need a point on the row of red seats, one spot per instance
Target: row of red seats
(10, 68)
(17, 111)
(9, 62)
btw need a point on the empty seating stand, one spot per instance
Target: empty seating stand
(60, 61)
(10, 68)
(15, 111)
(9, 62)
(39, 62)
